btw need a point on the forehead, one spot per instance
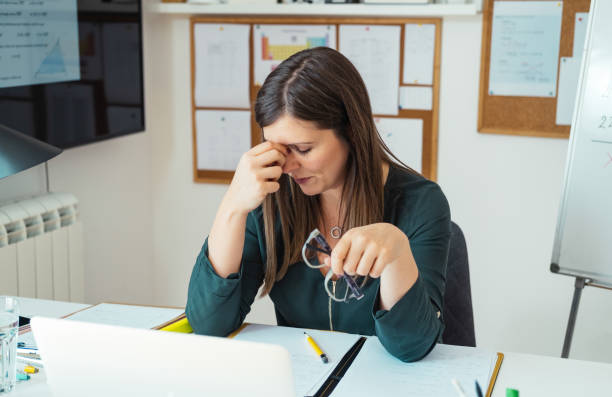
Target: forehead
(287, 130)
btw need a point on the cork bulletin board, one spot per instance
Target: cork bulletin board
(522, 115)
(429, 117)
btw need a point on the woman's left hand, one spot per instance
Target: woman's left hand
(369, 250)
(377, 250)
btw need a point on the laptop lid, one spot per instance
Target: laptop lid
(86, 359)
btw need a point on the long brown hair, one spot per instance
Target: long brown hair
(322, 86)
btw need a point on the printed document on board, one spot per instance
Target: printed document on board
(272, 44)
(419, 46)
(375, 52)
(525, 42)
(222, 137)
(404, 137)
(222, 65)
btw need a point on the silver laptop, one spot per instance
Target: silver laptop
(86, 359)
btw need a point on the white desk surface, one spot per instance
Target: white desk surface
(531, 375)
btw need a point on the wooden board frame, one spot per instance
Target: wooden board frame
(429, 164)
(527, 116)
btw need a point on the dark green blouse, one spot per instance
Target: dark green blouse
(217, 306)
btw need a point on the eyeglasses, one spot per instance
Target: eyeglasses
(345, 289)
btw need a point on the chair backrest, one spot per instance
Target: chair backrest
(458, 313)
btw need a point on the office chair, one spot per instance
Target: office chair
(458, 313)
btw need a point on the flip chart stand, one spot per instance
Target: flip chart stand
(579, 285)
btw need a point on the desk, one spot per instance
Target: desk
(531, 375)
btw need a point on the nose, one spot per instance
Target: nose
(291, 163)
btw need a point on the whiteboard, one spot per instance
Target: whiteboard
(583, 240)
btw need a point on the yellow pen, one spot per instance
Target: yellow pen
(316, 348)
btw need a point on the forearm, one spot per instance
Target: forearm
(397, 278)
(226, 239)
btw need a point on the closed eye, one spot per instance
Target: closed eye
(300, 151)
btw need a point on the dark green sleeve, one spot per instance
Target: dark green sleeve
(215, 305)
(411, 329)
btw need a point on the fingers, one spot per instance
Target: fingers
(266, 146)
(364, 267)
(354, 255)
(271, 187)
(272, 156)
(377, 268)
(270, 173)
(339, 253)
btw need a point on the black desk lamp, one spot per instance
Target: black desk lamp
(19, 152)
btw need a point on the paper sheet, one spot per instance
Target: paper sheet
(273, 44)
(404, 137)
(580, 27)
(569, 72)
(525, 48)
(429, 377)
(308, 369)
(222, 65)
(419, 46)
(144, 317)
(222, 137)
(375, 52)
(419, 98)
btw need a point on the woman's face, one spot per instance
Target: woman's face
(316, 158)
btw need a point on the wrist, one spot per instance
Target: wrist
(230, 209)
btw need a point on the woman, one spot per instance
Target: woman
(323, 165)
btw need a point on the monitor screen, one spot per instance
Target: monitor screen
(71, 70)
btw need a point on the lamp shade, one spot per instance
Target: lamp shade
(19, 152)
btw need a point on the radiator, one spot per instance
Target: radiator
(41, 248)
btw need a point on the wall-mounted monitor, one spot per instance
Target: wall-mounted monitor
(71, 70)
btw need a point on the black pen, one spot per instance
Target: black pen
(478, 389)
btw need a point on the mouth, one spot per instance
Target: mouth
(301, 181)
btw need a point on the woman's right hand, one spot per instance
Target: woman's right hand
(256, 176)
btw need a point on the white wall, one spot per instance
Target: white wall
(112, 180)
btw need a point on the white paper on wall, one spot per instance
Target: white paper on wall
(525, 42)
(419, 46)
(580, 26)
(222, 137)
(404, 137)
(569, 72)
(272, 44)
(221, 65)
(375, 52)
(417, 98)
